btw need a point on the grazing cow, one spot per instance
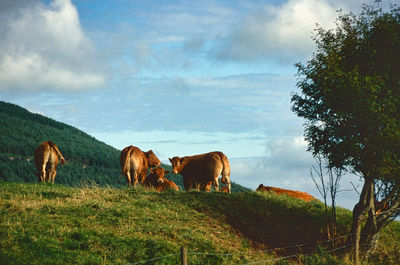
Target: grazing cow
(202, 170)
(46, 161)
(292, 193)
(135, 164)
(156, 179)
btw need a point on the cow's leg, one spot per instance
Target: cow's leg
(53, 175)
(53, 172)
(42, 173)
(206, 186)
(49, 172)
(188, 183)
(46, 172)
(128, 177)
(135, 178)
(216, 184)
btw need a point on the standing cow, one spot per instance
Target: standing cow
(202, 170)
(46, 161)
(135, 164)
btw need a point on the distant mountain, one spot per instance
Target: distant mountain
(88, 160)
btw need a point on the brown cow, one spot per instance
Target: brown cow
(292, 193)
(156, 179)
(135, 164)
(225, 189)
(202, 169)
(46, 161)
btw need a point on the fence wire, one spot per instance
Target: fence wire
(260, 251)
(162, 257)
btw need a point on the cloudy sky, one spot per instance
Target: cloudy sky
(178, 77)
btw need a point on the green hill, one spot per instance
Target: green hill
(88, 160)
(95, 219)
(22, 131)
(56, 224)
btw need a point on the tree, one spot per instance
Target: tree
(328, 184)
(351, 102)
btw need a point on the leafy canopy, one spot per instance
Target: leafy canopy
(351, 93)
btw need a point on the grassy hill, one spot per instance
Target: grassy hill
(56, 224)
(95, 219)
(88, 160)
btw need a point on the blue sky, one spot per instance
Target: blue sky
(178, 77)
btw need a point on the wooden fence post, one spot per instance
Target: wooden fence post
(183, 256)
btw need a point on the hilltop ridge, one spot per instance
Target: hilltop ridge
(88, 159)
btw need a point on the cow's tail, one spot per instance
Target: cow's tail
(55, 148)
(226, 170)
(125, 159)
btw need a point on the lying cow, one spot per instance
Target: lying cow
(202, 170)
(156, 179)
(292, 193)
(135, 164)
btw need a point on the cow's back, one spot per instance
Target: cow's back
(203, 164)
(137, 159)
(292, 193)
(132, 158)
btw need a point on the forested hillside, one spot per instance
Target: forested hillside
(22, 131)
(88, 160)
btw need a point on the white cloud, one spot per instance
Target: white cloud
(45, 47)
(281, 33)
(286, 164)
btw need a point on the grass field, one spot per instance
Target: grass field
(55, 224)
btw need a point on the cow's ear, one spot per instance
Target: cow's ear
(170, 160)
(166, 172)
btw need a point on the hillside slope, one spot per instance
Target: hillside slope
(22, 131)
(88, 160)
(49, 224)
(56, 224)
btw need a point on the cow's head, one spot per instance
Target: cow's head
(159, 174)
(156, 176)
(261, 187)
(152, 159)
(177, 164)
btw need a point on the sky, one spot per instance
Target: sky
(178, 77)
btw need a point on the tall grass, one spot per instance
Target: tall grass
(54, 224)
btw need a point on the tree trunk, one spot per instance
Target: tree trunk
(333, 223)
(370, 230)
(359, 213)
